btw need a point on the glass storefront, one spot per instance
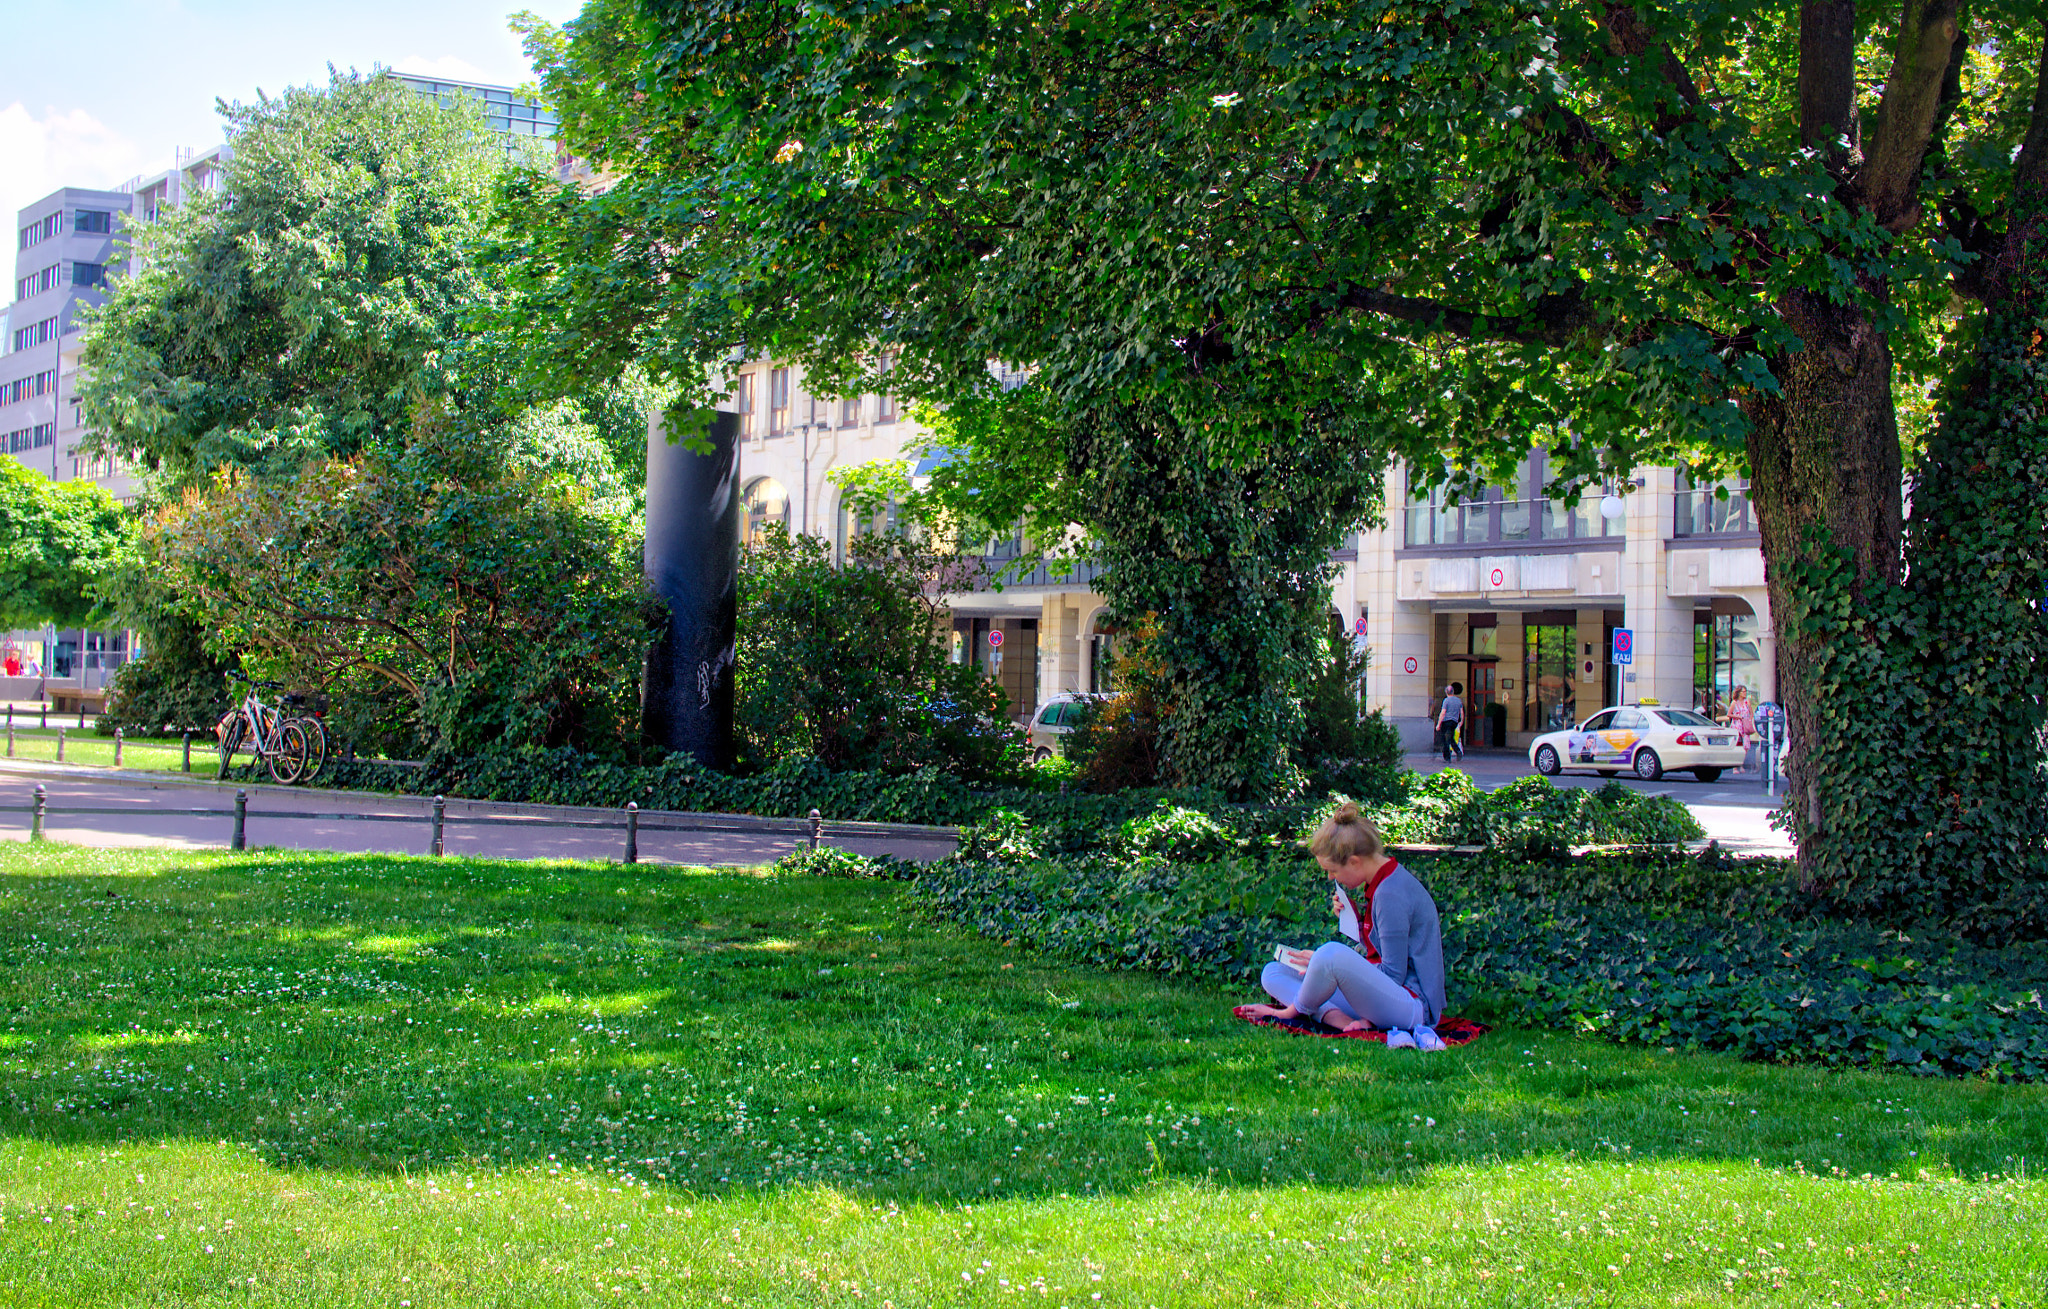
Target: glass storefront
(1725, 656)
(1549, 686)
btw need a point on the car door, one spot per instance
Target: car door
(1619, 741)
(1580, 744)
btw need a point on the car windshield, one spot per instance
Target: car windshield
(1685, 718)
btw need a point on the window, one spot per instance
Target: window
(885, 405)
(1600, 722)
(31, 438)
(1102, 656)
(42, 229)
(1630, 720)
(743, 402)
(852, 525)
(849, 412)
(1549, 689)
(1725, 655)
(94, 220)
(35, 334)
(778, 401)
(84, 274)
(37, 283)
(27, 388)
(1705, 511)
(1684, 718)
(764, 505)
(1483, 641)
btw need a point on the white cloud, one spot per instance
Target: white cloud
(447, 67)
(59, 149)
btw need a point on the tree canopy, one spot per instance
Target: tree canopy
(1717, 234)
(57, 541)
(299, 312)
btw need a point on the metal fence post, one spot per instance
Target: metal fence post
(632, 832)
(60, 745)
(188, 752)
(81, 711)
(117, 747)
(817, 825)
(241, 837)
(35, 822)
(46, 715)
(440, 811)
(10, 738)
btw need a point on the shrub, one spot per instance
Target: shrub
(1700, 951)
(829, 861)
(844, 665)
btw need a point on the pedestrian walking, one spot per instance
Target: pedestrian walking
(1450, 716)
(1742, 717)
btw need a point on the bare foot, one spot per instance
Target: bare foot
(1270, 1011)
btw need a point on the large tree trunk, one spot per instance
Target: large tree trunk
(1825, 478)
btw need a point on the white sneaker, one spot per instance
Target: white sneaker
(1400, 1040)
(1427, 1039)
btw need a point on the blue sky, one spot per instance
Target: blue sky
(92, 94)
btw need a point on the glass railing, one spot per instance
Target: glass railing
(1508, 523)
(1700, 512)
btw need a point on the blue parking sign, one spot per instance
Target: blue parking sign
(1624, 646)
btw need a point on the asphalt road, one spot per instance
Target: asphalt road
(157, 814)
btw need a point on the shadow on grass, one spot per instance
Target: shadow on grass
(726, 1030)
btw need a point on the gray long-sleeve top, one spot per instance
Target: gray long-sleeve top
(1408, 936)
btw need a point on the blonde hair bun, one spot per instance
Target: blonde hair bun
(1347, 834)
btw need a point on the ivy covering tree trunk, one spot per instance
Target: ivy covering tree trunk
(1930, 695)
(1231, 558)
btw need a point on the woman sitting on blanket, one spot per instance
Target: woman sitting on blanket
(1397, 983)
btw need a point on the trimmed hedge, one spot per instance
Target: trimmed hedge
(1445, 808)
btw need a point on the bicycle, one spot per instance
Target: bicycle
(278, 742)
(313, 723)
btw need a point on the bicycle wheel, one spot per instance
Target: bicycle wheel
(316, 747)
(288, 760)
(230, 742)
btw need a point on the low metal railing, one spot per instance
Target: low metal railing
(629, 823)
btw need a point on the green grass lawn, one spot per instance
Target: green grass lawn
(86, 747)
(295, 1079)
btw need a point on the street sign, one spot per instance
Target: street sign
(1624, 646)
(1358, 628)
(1409, 665)
(995, 638)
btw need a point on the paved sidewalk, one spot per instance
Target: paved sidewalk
(154, 810)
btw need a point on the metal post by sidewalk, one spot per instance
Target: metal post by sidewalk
(46, 715)
(440, 811)
(60, 745)
(817, 825)
(35, 822)
(632, 832)
(10, 738)
(81, 708)
(240, 840)
(188, 752)
(117, 747)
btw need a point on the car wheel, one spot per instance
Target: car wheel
(1546, 762)
(1041, 754)
(1707, 774)
(1648, 766)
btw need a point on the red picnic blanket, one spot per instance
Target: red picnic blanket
(1455, 1031)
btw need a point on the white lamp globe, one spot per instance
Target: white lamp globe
(1613, 508)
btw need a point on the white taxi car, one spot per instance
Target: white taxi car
(1648, 740)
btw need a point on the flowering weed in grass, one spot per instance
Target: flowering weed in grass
(303, 1079)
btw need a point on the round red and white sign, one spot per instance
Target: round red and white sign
(995, 638)
(1409, 665)
(1499, 578)
(1358, 628)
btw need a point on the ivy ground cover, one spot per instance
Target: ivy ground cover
(297, 1079)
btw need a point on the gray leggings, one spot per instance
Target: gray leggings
(1339, 977)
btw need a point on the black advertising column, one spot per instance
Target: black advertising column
(692, 562)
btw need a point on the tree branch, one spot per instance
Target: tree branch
(1912, 97)
(1827, 80)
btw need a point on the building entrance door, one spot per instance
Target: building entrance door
(1481, 686)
